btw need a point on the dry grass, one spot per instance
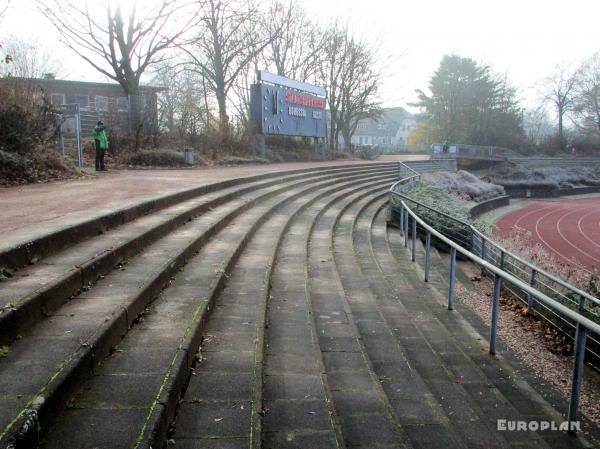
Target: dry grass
(520, 242)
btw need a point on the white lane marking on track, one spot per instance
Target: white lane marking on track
(550, 247)
(577, 248)
(583, 232)
(531, 212)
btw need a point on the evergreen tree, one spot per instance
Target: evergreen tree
(470, 104)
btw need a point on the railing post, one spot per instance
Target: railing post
(495, 313)
(414, 240)
(580, 341)
(452, 286)
(427, 250)
(402, 219)
(502, 256)
(406, 229)
(483, 251)
(530, 299)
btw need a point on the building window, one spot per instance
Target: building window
(101, 103)
(122, 104)
(57, 99)
(82, 101)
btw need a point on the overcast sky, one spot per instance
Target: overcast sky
(523, 38)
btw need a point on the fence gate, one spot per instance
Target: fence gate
(70, 133)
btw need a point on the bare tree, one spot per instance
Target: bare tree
(358, 90)
(28, 59)
(228, 41)
(346, 69)
(4, 4)
(121, 48)
(586, 110)
(559, 90)
(293, 51)
(537, 126)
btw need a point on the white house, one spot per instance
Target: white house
(389, 132)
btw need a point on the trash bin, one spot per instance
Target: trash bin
(188, 156)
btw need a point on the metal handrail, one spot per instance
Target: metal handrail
(583, 324)
(578, 318)
(528, 264)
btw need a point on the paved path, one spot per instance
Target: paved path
(29, 211)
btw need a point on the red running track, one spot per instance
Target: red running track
(568, 228)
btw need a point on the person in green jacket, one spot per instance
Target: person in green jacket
(101, 140)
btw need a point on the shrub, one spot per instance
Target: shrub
(154, 158)
(464, 185)
(520, 242)
(452, 206)
(517, 176)
(367, 153)
(237, 160)
(343, 155)
(28, 119)
(38, 165)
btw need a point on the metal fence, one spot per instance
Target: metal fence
(474, 152)
(565, 307)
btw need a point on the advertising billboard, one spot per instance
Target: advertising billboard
(286, 107)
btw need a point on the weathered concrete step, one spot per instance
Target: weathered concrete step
(364, 412)
(39, 289)
(298, 403)
(282, 197)
(487, 386)
(37, 244)
(208, 412)
(444, 407)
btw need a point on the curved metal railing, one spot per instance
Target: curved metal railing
(553, 299)
(474, 152)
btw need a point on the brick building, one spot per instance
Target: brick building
(99, 101)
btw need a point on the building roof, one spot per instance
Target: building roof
(84, 84)
(387, 125)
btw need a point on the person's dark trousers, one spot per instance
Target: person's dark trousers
(99, 156)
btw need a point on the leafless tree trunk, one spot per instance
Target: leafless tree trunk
(4, 4)
(119, 46)
(559, 91)
(28, 59)
(351, 82)
(293, 53)
(226, 44)
(587, 96)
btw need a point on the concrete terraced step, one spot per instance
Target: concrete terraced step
(364, 412)
(314, 327)
(33, 245)
(39, 289)
(223, 405)
(118, 392)
(473, 388)
(112, 311)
